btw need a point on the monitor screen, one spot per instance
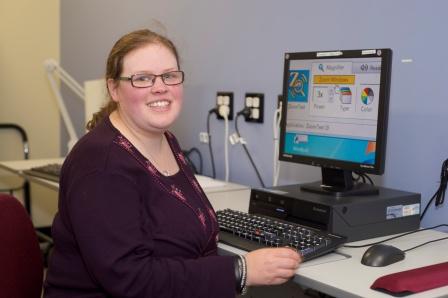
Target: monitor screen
(335, 110)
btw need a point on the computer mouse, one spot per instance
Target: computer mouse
(380, 255)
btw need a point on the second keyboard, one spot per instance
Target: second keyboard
(50, 172)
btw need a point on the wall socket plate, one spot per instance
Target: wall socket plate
(224, 98)
(204, 138)
(255, 103)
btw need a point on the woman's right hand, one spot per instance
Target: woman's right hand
(271, 266)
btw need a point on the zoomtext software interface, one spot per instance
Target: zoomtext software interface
(332, 109)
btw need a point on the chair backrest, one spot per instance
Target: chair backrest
(14, 142)
(21, 264)
(14, 146)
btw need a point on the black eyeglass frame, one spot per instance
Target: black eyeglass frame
(153, 81)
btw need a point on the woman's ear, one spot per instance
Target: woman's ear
(112, 86)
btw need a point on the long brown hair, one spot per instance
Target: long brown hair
(126, 44)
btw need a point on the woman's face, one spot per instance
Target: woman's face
(151, 109)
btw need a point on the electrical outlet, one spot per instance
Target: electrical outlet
(224, 99)
(203, 137)
(255, 103)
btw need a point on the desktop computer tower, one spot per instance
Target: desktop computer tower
(356, 217)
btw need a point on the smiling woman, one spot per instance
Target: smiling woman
(144, 113)
(133, 221)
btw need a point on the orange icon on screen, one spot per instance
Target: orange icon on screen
(371, 147)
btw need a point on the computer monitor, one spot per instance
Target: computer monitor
(335, 111)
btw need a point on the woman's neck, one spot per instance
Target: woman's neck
(152, 145)
(147, 142)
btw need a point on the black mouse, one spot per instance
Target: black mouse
(380, 255)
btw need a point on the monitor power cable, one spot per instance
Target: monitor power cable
(243, 112)
(439, 195)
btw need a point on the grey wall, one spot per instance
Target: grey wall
(239, 45)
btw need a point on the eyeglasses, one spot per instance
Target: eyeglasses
(145, 80)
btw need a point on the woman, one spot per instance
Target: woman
(133, 221)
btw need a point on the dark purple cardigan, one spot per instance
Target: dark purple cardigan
(125, 230)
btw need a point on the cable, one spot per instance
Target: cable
(440, 239)
(224, 112)
(395, 237)
(439, 195)
(195, 150)
(212, 159)
(358, 178)
(240, 113)
(368, 178)
(363, 177)
(276, 127)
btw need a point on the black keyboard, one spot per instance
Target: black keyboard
(49, 171)
(250, 232)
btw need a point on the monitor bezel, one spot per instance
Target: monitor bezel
(383, 110)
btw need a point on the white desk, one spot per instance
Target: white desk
(18, 166)
(224, 195)
(344, 276)
(337, 274)
(341, 274)
(220, 193)
(349, 278)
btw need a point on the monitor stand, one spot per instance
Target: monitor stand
(339, 183)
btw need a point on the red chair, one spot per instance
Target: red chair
(21, 264)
